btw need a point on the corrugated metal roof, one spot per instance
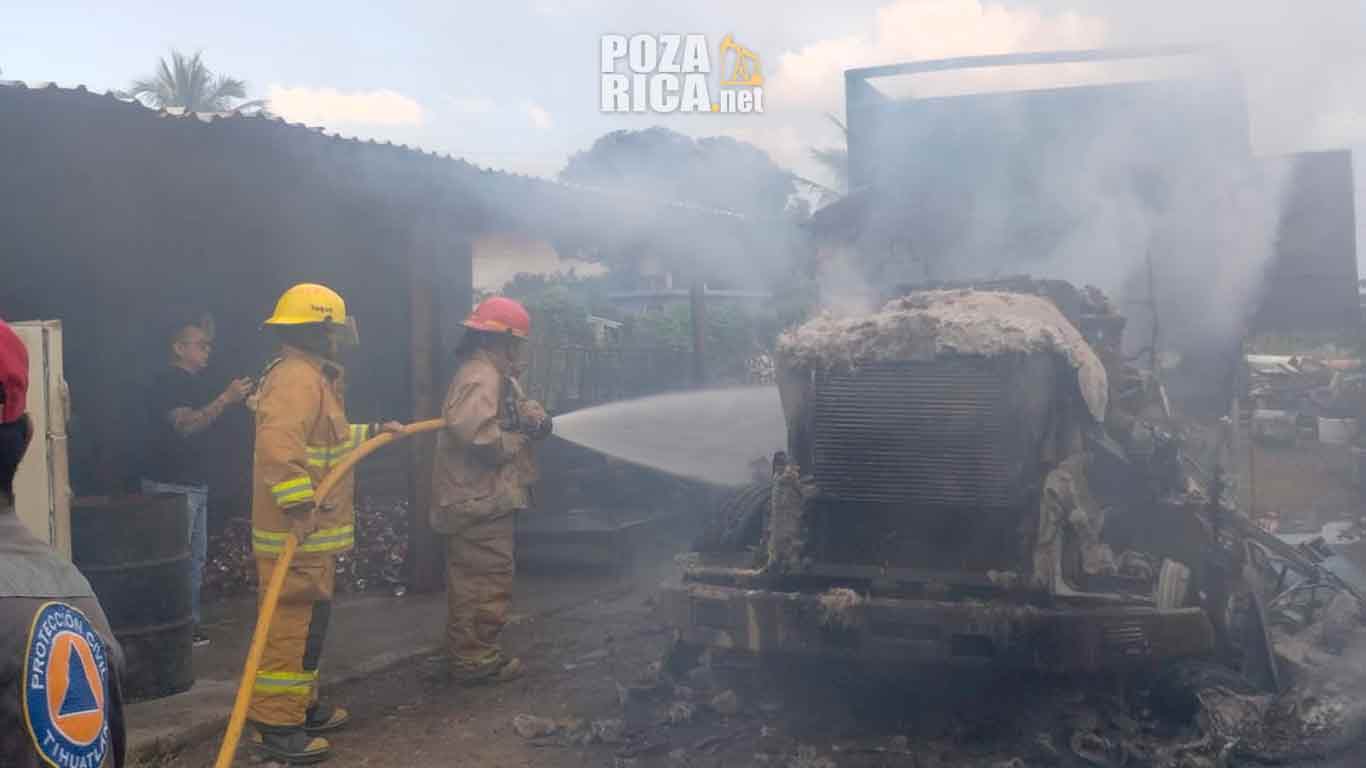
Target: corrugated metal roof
(179, 113)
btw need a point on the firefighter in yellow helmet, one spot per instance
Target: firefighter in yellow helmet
(301, 432)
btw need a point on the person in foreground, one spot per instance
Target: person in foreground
(61, 700)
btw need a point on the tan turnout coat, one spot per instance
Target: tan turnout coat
(301, 433)
(481, 470)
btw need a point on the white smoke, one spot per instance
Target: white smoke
(844, 289)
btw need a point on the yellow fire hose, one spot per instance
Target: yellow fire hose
(277, 581)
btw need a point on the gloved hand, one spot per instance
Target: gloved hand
(303, 520)
(531, 412)
(535, 421)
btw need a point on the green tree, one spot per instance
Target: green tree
(661, 164)
(186, 81)
(734, 336)
(655, 167)
(836, 161)
(560, 305)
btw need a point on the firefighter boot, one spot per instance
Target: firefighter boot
(504, 670)
(509, 671)
(293, 746)
(323, 718)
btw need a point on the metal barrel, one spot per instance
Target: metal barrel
(135, 551)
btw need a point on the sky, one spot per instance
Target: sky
(515, 85)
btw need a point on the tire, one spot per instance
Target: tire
(682, 658)
(747, 517)
(1175, 688)
(738, 522)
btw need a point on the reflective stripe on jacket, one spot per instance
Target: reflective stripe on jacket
(301, 433)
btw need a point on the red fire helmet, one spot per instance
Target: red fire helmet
(13, 375)
(500, 315)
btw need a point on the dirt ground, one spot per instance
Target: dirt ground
(593, 677)
(573, 660)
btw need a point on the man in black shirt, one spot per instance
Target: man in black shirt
(181, 408)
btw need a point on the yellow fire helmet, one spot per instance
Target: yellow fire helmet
(313, 303)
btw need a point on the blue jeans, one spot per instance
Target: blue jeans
(197, 497)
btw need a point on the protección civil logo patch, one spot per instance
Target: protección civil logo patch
(66, 688)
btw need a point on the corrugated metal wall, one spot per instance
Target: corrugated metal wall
(114, 218)
(1311, 287)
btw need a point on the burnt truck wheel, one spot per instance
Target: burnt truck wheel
(681, 658)
(738, 522)
(1175, 688)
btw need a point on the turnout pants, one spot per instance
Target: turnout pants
(479, 573)
(287, 682)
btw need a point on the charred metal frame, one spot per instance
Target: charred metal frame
(965, 609)
(862, 98)
(899, 631)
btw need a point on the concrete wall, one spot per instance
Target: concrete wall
(501, 256)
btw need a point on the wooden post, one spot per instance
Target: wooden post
(426, 555)
(698, 320)
(1153, 360)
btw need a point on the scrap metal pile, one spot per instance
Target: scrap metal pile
(230, 569)
(377, 562)
(1300, 414)
(1306, 394)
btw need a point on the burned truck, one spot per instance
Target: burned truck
(958, 488)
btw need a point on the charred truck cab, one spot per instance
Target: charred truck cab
(952, 493)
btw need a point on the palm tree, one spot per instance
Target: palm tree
(188, 83)
(835, 159)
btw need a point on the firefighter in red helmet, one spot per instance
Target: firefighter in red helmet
(483, 472)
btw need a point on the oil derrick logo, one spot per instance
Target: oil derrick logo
(667, 73)
(745, 70)
(66, 676)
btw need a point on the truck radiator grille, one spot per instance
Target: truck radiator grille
(937, 433)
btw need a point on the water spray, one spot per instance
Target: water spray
(712, 435)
